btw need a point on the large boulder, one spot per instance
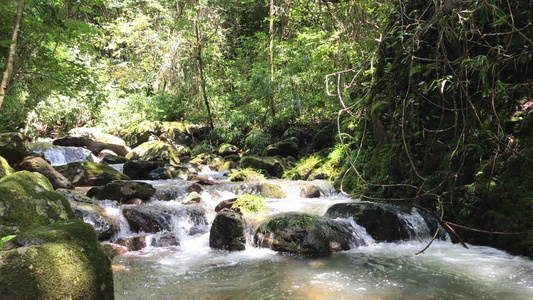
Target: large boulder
(385, 222)
(155, 151)
(227, 149)
(60, 155)
(27, 201)
(227, 231)
(5, 168)
(14, 146)
(284, 148)
(90, 212)
(88, 173)
(273, 165)
(122, 191)
(38, 164)
(151, 219)
(62, 260)
(173, 132)
(304, 234)
(140, 169)
(93, 140)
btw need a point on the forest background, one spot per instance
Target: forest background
(428, 100)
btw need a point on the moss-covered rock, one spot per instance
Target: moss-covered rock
(88, 173)
(5, 168)
(27, 201)
(155, 151)
(264, 189)
(247, 176)
(139, 133)
(14, 146)
(284, 148)
(227, 149)
(90, 212)
(60, 261)
(273, 165)
(38, 164)
(192, 198)
(304, 234)
(122, 191)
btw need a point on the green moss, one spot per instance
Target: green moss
(250, 204)
(61, 261)
(5, 168)
(88, 173)
(247, 175)
(27, 201)
(155, 151)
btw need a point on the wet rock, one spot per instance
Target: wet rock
(155, 151)
(38, 164)
(14, 146)
(88, 173)
(62, 260)
(122, 190)
(134, 201)
(273, 165)
(5, 168)
(192, 198)
(284, 148)
(27, 201)
(247, 176)
(93, 140)
(90, 212)
(310, 191)
(266, 190)
(148, 218)
(225, 204)
(382, 222)
(133, 243)
(165, 239)
(60, 155)
(304, 234)
(138, 169)
(227, 231)
(195, 187)
(113, 250)
(227, 149)
(112, 159)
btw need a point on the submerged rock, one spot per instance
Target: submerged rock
(62, 260)
(227, 231)
(38, 164)
(90, 212)
(88, 173)
(304, 234)
(113, 250)
(122, 191)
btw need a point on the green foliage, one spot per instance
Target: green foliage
(6, 239)
(250, 204)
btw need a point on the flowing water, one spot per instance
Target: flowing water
(193, 270)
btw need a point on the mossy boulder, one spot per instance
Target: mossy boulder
(227, 149)
(14, 146)
(264, 189)
(27, 201)
(5, 168)
(90, 212)
(284, 148)
(155, 151)
(272, 165)
(305, 234)
(86, 173)
(38, 164)
(60, 261)
(174, 132)
(227, 231)
(122, 191)
(247, 176)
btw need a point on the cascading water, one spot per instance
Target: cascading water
(193, 270)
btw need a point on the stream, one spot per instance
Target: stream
(193, 270)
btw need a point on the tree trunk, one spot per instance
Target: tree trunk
(11, 56)
(201, 70)
(271, 54)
